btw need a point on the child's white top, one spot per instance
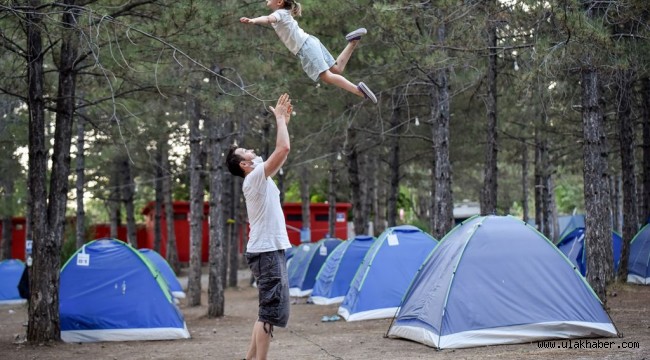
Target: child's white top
(288, 30)
(268, 231)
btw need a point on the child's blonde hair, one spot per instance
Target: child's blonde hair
(294, 7)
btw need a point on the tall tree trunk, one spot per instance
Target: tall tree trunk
(80, 171)
(128, 192)
(539, 148)
(233, 235)
(628, 169)
(598, 221)
(331, 198)
(7, 224)
(524, 182)
(168, 205)
(645, 118)
(442, 204)
(305, 231)
(553, 217)
(159, 199)
(393, 160)
(355, 182)
(43, 324)
(114, 199)
(196, 204)
(368, 168)
(217, 221)
(489, 191)
(616, 201)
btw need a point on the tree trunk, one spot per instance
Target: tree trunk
(490, 175)
(645, 118)
(158, 197)
(539, 220)
(628, 169)
(393, 160)
(80, 169)
(168, 207)
(524, 182)
(355, 182)
(368, 168)
(128, 192)
(196, 205)
(7, 231)
(598, 222)
(43, 324)
(442, 204)
(616, 201)
(217, 221)
(114, 199)
(233, 235)
(331, 199)
(305, 199)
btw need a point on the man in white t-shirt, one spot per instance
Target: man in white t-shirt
(268, 233)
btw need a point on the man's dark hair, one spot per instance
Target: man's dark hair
(233, 160)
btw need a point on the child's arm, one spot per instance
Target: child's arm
(270, 19)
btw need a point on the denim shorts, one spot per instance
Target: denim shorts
(314, 58)
(270, 270)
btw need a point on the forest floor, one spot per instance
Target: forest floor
(307, 337)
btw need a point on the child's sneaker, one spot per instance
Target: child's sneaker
(367, 92)
(356, 34)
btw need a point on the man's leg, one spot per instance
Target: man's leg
(262, 340)
(344, 57)
(252, 349)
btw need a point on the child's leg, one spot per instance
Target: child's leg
(338, 80)
(343, 58)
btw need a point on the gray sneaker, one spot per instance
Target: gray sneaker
(367, 92)
(356, 34)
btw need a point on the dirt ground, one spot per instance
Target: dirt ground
(308, 338)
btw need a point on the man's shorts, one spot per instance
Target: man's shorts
(314, 58)
(270, 270)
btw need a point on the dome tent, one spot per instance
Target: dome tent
(306, 263)
(638, 267)
(333, 280)
(386, 272)
(573, 244)
(111, 292)
(166, 271)
(10, 272)
(496, 280)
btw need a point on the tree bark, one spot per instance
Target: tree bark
(80, 171)
(168, 205)
(7, 231)
(628, 170)
(645, 119)
(598, 222)
(114, 199)
(442, 203)
(393, 160)
(490, 174)
(159, 198)
(305, 203)
(196, 204)
(524, 182)
(355, 182)
(331, 198)
(128, 192)
(217, 221)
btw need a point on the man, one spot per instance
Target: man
(268, 233)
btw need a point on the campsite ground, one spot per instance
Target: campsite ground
(309, 338)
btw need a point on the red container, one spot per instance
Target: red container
(181, 227)
(319, 221)
(99, 231)
(17, 238)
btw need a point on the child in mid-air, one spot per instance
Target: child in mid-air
(314, 57)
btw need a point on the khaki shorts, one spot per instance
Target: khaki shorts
(270, 270)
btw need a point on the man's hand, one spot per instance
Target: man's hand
(245, 20)
(283, 108)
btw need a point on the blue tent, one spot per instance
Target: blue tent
(386, 273)
(166, 271)
(568, 223)
(573, 244)
(306, 263)
(496, 280)
(10, 273)
(333, 280)
(638, 267)
(111, 292)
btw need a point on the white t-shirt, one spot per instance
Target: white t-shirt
(268, 231)
(288, 30)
